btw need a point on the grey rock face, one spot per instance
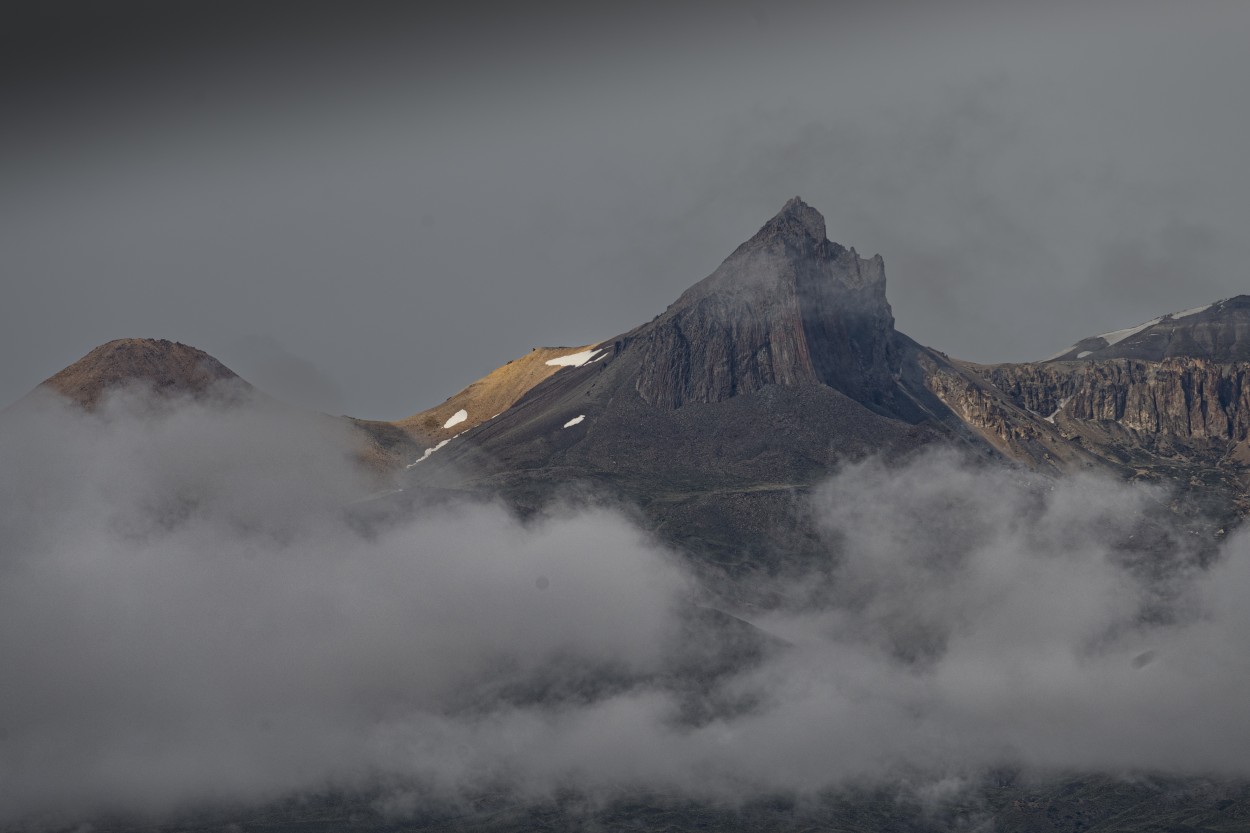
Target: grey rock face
(1184, 376)
(1184, 421)
(789, 307)
(1193, 398)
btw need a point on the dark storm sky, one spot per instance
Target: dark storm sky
(364, 207)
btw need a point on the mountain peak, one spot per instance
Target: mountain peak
(167, 367)
(795, 211)
(787, 308)
(791, 245)
(797, 224)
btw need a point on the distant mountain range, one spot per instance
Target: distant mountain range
(716, 418)
(717, 415)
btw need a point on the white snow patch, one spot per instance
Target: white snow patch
(574, 421)
(457, 418)
(430, 451)
(1116, 336)
(574, 359)
(1083, 354)
(1193, 311)
(1062, 402)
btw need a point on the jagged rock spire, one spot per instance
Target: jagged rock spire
(788, 307)
(795, 219)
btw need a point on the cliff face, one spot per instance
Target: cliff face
(1182, 420)
(789, 307)
(1189, 398)
(1001, 419)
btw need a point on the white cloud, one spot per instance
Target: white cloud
(188, 613)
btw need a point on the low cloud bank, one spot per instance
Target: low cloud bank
(188, 616)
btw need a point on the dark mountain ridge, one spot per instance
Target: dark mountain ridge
(1219, 332)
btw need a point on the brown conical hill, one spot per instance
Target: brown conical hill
(167, 367)
(174, 370)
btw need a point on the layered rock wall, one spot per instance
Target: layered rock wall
(1183, 397)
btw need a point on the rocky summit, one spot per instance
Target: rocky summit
(789, 308)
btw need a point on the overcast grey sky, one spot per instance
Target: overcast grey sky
(363, 208)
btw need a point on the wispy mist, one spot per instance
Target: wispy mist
(190, 613)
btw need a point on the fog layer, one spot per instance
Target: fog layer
(190, 614)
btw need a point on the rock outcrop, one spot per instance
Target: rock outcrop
(1191, 398)
(1181, 420)
(789, 307)
(1003, 421)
